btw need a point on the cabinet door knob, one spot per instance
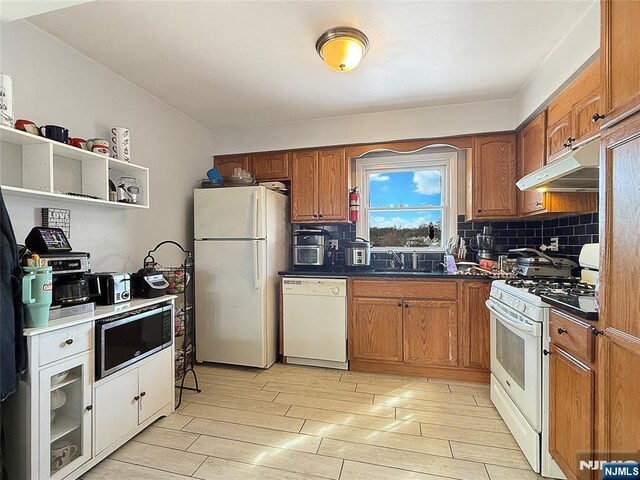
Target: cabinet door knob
(136, 398)
(479, 210)
(399, 304)
(69, 341)
(88, 408)
(406, 305)
(321, 215)
(595, 332)
(546, 352)
(562, 330)
(538, 204)
(596, 117)
(142, 394)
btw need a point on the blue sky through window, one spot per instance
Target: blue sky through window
(407, 189)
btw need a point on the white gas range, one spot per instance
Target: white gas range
(520, 371)
(519, 355)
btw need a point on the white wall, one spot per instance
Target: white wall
(439, 121)
(576, 51)
(54, 84)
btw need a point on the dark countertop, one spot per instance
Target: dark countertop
(422, 275)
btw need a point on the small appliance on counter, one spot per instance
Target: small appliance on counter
(484, 244)
(532, 263)
(115, 287)
(357, 254)
(309, 247)
(148, 283)
(73, 290)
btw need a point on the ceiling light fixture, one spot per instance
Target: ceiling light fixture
(342, 48)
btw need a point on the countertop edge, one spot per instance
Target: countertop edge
(386, 276)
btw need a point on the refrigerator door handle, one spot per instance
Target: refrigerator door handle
(256, 266)
(256, 206)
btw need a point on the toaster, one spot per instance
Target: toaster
(115, 287)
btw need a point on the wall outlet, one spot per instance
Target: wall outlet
(554, 245)
(333, 243)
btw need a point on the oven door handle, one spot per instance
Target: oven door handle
(523, 327)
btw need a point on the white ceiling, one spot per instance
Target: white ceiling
(241, 63)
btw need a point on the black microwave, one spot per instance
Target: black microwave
(127, 338)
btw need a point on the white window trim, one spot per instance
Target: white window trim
(448, 161)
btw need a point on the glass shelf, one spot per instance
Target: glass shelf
(62, 426)
(67, 381)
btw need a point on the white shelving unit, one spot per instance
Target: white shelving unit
(36, 167)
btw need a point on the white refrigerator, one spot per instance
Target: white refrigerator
(242, 240)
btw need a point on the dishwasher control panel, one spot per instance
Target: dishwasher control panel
(335, 287)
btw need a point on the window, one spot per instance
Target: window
(408, 201)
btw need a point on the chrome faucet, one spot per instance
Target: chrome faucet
(396, 258)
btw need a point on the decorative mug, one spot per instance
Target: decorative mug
(62, 452)
(27, 126)
(121, 143)
(54, 132)
(98, 145)
(6, 100)
(78, 143)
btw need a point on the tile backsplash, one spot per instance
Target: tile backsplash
(572, 232)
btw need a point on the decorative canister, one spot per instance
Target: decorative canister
(6, 100)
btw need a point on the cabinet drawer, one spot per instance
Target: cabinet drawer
(572, 334)
(63, 343)
(406, 289)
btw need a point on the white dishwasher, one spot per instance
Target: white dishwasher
(314, 323)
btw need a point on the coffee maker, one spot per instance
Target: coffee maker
(484, 244)
(73, 290)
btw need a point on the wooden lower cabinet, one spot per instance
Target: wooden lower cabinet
(421, 329)
(572, 411)
(376, 329)
(473, 333)
(430, 332)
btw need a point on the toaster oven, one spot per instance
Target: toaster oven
(308, 255)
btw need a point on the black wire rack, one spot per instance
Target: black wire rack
(181, 282)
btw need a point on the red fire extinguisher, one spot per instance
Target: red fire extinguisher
(354, 204)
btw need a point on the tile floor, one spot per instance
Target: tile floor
(292, 422)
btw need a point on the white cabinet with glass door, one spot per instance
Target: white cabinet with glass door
(65, 416)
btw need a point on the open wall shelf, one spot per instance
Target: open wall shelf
(36, 167)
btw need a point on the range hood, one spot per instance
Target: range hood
(576, 171)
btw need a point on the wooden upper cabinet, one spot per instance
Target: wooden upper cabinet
(473, 335)
(270, 166)
(332, 185)
(226, 164)
(570, 114)
(619, 40)
(531, 157)
(430, 332)
(558, 136)
(376, 329)
(584, 128)
(319, 186)
(572, 411)
(491, 177)
(304, 186)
